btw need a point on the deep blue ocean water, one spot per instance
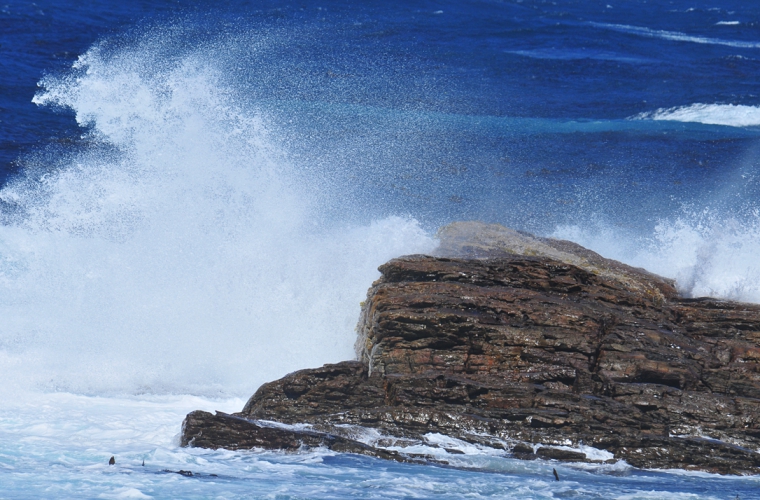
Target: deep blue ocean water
(522, 103)
(194, 200)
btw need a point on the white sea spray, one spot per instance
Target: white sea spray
(179, 251)
(710, 253)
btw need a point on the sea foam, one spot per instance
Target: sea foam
(732, 115)
(177, 250)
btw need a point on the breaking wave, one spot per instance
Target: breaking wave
(708, 253)
(176, 249)
(732, 115)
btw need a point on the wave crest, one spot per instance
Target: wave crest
(732, 115)
(675, 35)
(178, 251)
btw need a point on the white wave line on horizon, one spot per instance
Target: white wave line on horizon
(732, 115)
(675, 35)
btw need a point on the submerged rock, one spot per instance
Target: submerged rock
(506, 338)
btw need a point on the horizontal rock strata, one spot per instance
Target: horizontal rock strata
(526, 353)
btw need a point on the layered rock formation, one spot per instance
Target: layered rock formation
(524, 344)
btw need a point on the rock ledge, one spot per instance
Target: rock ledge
(528, 345)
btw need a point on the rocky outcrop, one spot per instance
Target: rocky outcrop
(527, 345)
(204, 430)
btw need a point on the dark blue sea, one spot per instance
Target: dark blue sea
(195, 197)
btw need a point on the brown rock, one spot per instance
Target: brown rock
(559, 454)
(204, 430)
(558, 346)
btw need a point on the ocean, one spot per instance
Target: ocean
(194, 200)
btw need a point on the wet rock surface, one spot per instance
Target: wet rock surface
(527, 345)
(205, 430)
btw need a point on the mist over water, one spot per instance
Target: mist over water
(178, 250)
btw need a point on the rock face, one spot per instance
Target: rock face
(524, 344)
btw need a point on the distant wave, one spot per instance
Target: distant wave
(581, 54)
(727, 23)
(675, 35)
(711, 114)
